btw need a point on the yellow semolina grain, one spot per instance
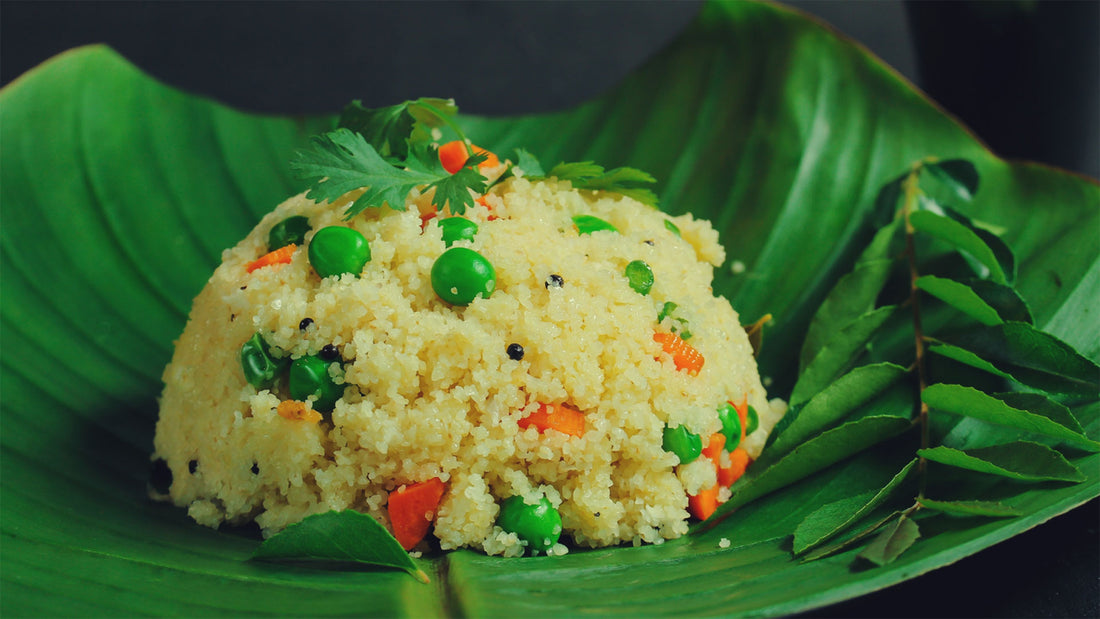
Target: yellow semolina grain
(430, 390)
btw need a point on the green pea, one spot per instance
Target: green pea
(683, 442)
(290, 230)
(640, 276)
(587, 224)
(261, 369)
(731, 425)
(457, 229)
(309, 377)
(672, 227)
(539, 524)
(335, 250)
(460, 275)
(752, 421)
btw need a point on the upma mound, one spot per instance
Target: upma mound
(590, 361)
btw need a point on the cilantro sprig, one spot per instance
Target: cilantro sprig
(388, 152)
(591, 176)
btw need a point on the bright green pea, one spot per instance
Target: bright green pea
(460, 275)
(683, 442)
(309, 377)
(539, 524)
(731, 425)
(261, 369)
(640, 276)
(672, 227)
(335, 250)
(290, 230)
(457, 229)
(752, 421)
(587, 224)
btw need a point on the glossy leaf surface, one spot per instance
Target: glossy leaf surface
(119, 194)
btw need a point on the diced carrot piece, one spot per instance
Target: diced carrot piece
(739, 461)
(278, 256)
(412, 509)
(295, 410)
(683, 354)
(702, 505)
(713, 450)
(453, 156)
(560, 417)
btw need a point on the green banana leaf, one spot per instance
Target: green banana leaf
(119, 194)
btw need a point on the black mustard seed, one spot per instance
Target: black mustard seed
(302, 326)
(329, 353)
(192, 466)
(554, 281)
(515, 351)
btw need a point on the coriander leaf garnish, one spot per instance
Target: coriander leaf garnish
(391, 129)
(342, 161)
(630, 182)
(591, 176)
(528, 163)
(453, 190)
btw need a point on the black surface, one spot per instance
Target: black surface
(506, 58)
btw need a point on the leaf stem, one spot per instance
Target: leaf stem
(912, 191)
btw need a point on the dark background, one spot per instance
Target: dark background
(1024, 75)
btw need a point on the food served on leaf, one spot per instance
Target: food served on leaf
(508, 358)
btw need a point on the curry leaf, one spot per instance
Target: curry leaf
(838, 353)
(1022, 461)
(971, 402)
(1008, 303)
(1030, 356)
(830, 406)
(895, 539)
(1000, 250)
(854, 294)
(833, 518)
(339, 537)
(829, 447)
(958, 174)
(965, 356)
(886, 202)
(972, 508)
(961, 297)
(960, 236)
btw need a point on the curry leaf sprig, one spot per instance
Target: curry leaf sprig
(927, 346)
(388, 152)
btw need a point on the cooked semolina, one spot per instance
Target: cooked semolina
(427, 389)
